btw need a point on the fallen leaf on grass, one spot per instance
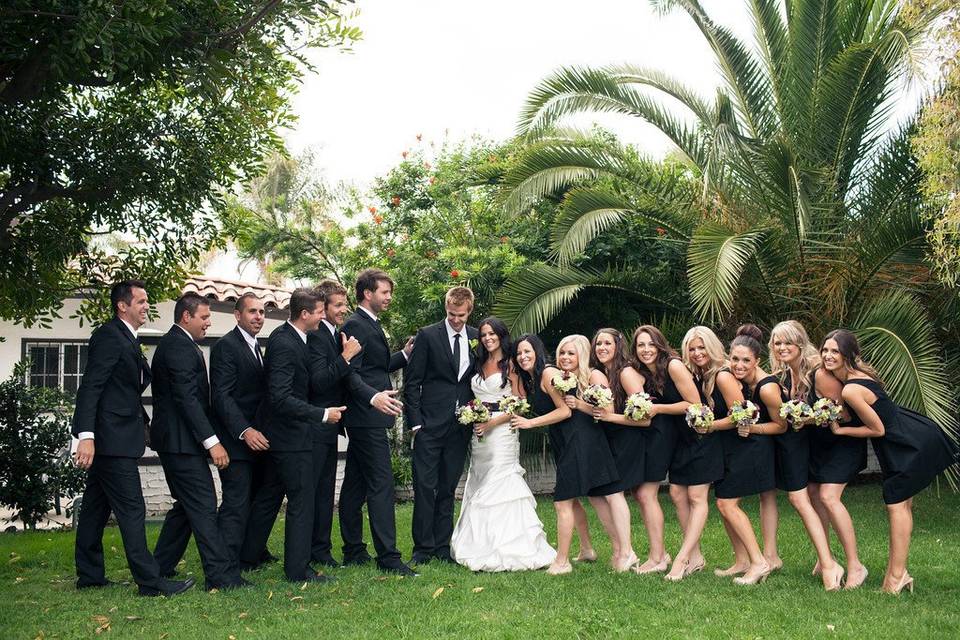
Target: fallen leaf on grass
(163, 636)
(270, 596)
(113, 609)
(132, 618)
(381, 578)
(248, 629)
(295, 598)
(830, 627)
(304, 587)
(40, 635)
(231, 637)
(13, 558)
(18, 579)
(214, 590)
(243, 615)
(477, 589)
(436, 594)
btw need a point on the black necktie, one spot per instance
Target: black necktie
(256, 348)
(456, 354)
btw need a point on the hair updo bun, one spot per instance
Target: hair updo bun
(748, 335)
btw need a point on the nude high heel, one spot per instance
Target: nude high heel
(905, 582)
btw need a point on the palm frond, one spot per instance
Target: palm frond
(585, 214)
(897, 338)
(716, 259)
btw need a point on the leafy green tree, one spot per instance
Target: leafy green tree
(35, 465)
(132, 117)
(807, 202)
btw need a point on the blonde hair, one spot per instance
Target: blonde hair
(718, 358)
(458, 296)
(793, 332)
(582, 346)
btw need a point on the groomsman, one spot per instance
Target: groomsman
(109, 421)
(238, 391)
(183, 436)
(371, 410)
(330, 355)
(290, 428)
(437, 381)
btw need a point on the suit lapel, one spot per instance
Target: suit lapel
(142, 361)
(447, 350)
(245, 348)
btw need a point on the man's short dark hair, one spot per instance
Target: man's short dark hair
(188, 302)
(303, 299)
(369, 280)
(124, 291)
(242, 300)
(328, 288)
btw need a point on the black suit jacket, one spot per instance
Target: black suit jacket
(237, 392)
(182, 418)
(109, 398)
(328, 374)
(292, 419)
(431, 387)
(369, 371)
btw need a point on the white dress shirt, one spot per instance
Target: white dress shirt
(464, 347)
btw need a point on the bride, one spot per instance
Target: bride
(498, 528)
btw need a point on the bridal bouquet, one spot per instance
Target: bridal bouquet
(515, 406)
(700, 418)
(564, 382)
(638, 406)
(795, 412)
(744, 414)
(825, 411)
(474, 412)
(598, 395)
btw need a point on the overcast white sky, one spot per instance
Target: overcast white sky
(452, 68)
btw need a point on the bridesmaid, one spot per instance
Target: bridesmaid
(581, 454)
(911, 448)
(611, 368)
(748, 462)
(698, 459)
(834, 462)
(793, 359)
(672, 390)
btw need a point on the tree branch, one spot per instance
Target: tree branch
(245, 26)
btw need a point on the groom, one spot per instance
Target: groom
(437, 381)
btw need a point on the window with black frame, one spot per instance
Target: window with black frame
(55, 364)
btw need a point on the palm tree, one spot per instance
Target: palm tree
(798, 197)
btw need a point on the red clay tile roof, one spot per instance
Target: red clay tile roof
(229, 290)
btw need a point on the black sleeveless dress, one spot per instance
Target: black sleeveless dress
(748, 463)
(835, 459)
(792, 450)
(662, 434)
(581, 454)
(627, 444)
(913, 450)
(698, 459)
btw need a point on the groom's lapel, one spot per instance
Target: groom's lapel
(471, 352)
(445, 347)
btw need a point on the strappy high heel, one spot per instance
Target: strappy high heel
(747, 579)
(906, 582)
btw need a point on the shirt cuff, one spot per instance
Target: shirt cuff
(405, 356)
(85, 435)
(326, 412)
(243, 432)
(210, 442)
(416, 428)
(371, 399)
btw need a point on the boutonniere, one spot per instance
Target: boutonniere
(473, 343)
(143, 351)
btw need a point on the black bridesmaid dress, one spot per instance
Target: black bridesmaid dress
(835, 459)
(662, 434)
(792, 450)
(748, 463)
(627, 444)
(698, 459)
(913, 450)
(581, 454)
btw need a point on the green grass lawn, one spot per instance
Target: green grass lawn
(39, 599)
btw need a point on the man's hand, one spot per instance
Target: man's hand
(408, 348)
(335, 413)
(219, 455)
(83, 457)
(384, 402)
(255, 440)
(351, 346)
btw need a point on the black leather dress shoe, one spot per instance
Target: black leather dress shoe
(327, 561)
(357, 561)
(95, 585)
(167, 588)
(316, 578)
(399, 569)
(420, 558)
(227, 586)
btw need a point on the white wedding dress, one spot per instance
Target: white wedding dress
(498, 528)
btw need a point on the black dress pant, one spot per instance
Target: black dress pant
(113, 484)
(194, 512)
(289, 473)
(368, 477)
(239, 483)
(325, 485)
(438, 457)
